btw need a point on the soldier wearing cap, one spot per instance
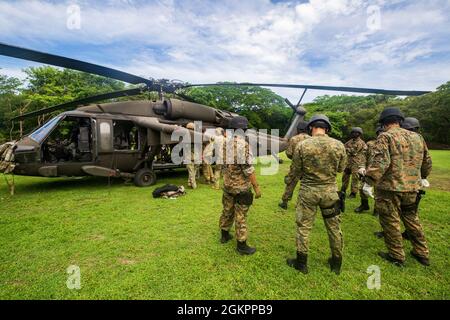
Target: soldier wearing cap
(400, 160)
(356, 150)
(291, 180)
(364, 206)
(317, 161)
(238, 179)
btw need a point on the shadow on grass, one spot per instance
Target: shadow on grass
(25, 185)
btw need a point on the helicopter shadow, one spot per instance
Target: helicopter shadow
(91, 183)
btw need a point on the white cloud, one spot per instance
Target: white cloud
(323, 42)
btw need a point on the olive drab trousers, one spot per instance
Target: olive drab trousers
(308, 201)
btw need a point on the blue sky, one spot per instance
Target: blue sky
(322, 42)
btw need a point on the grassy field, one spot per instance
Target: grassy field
(131, 246)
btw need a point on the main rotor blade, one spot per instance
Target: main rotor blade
(327, 88)
(32, 55)
(75, 103)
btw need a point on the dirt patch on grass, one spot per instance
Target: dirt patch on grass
(126, 262)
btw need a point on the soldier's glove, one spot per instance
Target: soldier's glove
(257, 192)
(362, 172)
(367, 190)
(424, 183)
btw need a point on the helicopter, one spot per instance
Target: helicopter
(127, 139)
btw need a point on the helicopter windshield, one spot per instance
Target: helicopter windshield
(39, 134)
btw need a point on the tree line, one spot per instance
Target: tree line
(47, 86)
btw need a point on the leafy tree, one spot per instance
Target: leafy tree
(263, 108)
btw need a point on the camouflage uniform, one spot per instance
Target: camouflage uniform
(317, 161)
(291, 180)
(219, 145)
(369, 155)
(236, 183)
(192, 168)
(400, 160)
(356, 153)
(208, 173)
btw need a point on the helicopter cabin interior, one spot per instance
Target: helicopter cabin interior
(72, 138)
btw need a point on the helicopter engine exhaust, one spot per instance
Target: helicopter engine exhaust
(177, 109)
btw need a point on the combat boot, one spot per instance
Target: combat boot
(226, 236)
(363, 207)
(300, 263)
(405, 235)
(283, 205)
(422, 260)
(386, 256)
(243, 248)
(379, 234)
(335, 264)
(352, 195)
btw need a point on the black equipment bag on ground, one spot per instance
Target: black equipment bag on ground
(157, 193)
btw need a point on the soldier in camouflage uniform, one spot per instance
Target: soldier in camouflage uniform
(316, 162)
(189, 160)
(238, 178)
(291, 180)
(356, 152)
(401, 159)
(219, 146)
(208, 172)
(362, 171)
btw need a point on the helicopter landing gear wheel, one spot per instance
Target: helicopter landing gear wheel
(144, 177)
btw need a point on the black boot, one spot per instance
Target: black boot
(363, 207)
(226, 236)
(335, 264)
(243, 248)
(386, 256)
(379, 234)
(422, 260)
(352, 195)
(405, 235)
(300, 263)
(283, 205)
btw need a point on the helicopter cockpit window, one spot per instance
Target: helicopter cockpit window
(39, 134)
(126, 135)
(70, 140)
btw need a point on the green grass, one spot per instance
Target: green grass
(131, 246)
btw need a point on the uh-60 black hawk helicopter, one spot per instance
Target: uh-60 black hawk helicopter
(128, 139)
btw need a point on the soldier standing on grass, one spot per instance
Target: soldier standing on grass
(356, 150)
(317, 161)
(189, 159)
(219, 146)
(238, 179)
(400, 160)
(291, 180)
(362, 171)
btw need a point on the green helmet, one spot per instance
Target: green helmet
(302, 126)
(391, 114)
(238, 122)
(411, 123)
(357, 130)
(320, 120)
